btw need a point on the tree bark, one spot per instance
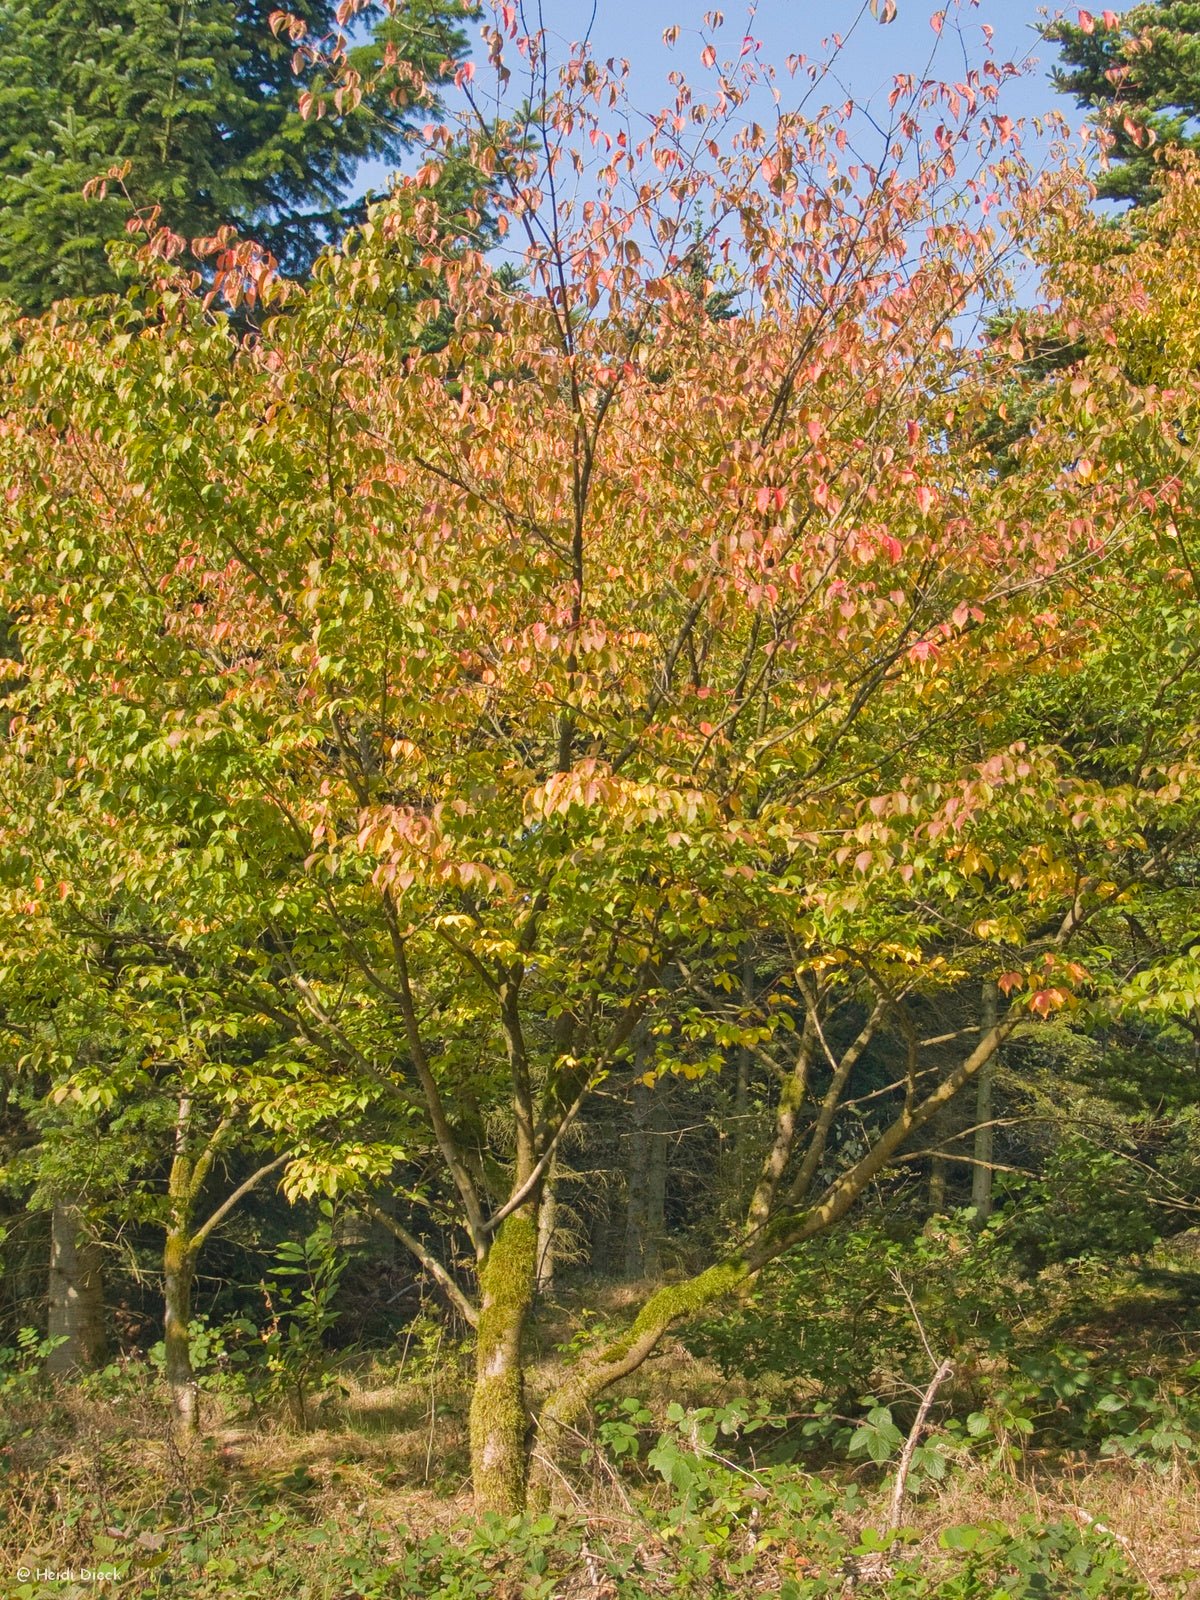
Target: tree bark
(547, 1230)
(499, 1419)
(938, 1169)
(76, 1308)
(743, 1066)
(656, 1190)
(646, 1181)
(637, 1183)
(179, 1270)
(981, 1171)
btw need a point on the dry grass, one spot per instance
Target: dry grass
(394, 1453)
(1155, 1519)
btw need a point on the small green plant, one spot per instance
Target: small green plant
(621, 1426)
(284, 1357)
(21, 1362)
(300, 1306)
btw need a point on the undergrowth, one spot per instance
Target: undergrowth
(1058, 1460)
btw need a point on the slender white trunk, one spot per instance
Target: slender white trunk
(76, 1299)
(981, 1172)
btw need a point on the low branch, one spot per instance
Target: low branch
(227, 1205)
(465, 1308)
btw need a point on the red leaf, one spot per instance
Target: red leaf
(892, 548)
(1047, 1000)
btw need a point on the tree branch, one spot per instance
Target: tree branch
(227, 1205)
(465, 1308)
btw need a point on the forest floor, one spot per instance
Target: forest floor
(99, 1496)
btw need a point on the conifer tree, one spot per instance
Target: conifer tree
(199, 101)
(1139, 73)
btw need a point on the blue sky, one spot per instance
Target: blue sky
(633, 29)
(874, 52)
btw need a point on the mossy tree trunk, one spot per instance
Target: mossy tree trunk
(180, 1248)
(179, 1274)
(499, 1418)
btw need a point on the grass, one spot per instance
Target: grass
(92, 1484)
(373, 1502)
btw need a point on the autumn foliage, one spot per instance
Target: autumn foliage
(455, 671)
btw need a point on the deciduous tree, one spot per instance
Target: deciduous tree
(519, 683)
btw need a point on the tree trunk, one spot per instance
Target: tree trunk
(981, 1172)
(547, 1230)
(937, 1170)
(76, 1310)
(179, 1268)
(646, 1182)
(637, 1182)
(743, 1145)
(656, 1190)
(499, 1420)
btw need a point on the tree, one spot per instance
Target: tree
(519, 684)
(76, 1311)
(142, 1070)
(196, 108)
(1139, 74)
